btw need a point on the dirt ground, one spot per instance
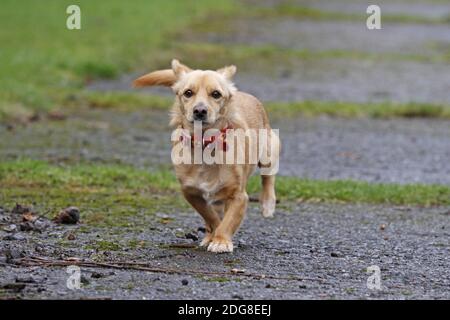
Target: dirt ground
(311, 251)
(393, 151)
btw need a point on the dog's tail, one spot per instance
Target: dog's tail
(165, 78)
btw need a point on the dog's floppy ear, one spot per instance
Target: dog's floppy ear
(157, 78)
(179, 69)
(228, 72)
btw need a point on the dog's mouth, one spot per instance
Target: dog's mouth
(204, 123)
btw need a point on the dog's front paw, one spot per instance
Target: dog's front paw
(206, 240)
(220, 245)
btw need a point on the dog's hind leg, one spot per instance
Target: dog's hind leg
(268, 171)
(211, 217)
(268, 198)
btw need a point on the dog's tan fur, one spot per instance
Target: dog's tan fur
(216, 191)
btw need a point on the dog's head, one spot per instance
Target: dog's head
(202, 94)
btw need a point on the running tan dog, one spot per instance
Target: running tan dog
(218, 191)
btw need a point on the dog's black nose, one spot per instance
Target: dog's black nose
(200, 112)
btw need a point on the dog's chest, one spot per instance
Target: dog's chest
(207, 182)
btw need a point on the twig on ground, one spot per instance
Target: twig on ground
(142, 266)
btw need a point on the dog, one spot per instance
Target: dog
(218, 191)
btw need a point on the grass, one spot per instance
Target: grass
(43, 60)
(264, 58)
(46, 67)
(124, 101)
(351, 110)
(106, 194)
(108, 191)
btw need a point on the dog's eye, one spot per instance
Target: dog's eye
(216, 94)
(188, 93)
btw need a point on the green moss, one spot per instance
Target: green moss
(104, 245)
(114, 194)
(136, 243)
(351, 110)
(348, 191)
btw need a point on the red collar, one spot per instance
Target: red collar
(219, 138)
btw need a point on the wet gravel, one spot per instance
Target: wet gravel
(405, 151)
(402, 38)
(352, 80)
(421, 8)
(402, 62)
(329, 247)
(387, 75)
(400, 151)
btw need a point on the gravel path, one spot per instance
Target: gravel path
(402, 151)
(405, 151)
(328, 246)
(423, 8)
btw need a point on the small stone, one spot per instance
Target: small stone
(16, 287)
(39, 248)
(70, 215)
(382, 227)
(268, 286)
(335, 254)
(184, 282)
(13, 254)
(25, 279)
(302, 286)
(236, 296)
(19, 209)
(97, 275)
(10, 228)
(84, 280)
(71, 237)
(191, 236)
(27, 226)
(201, 229)
(179, 233)
(14, 237)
